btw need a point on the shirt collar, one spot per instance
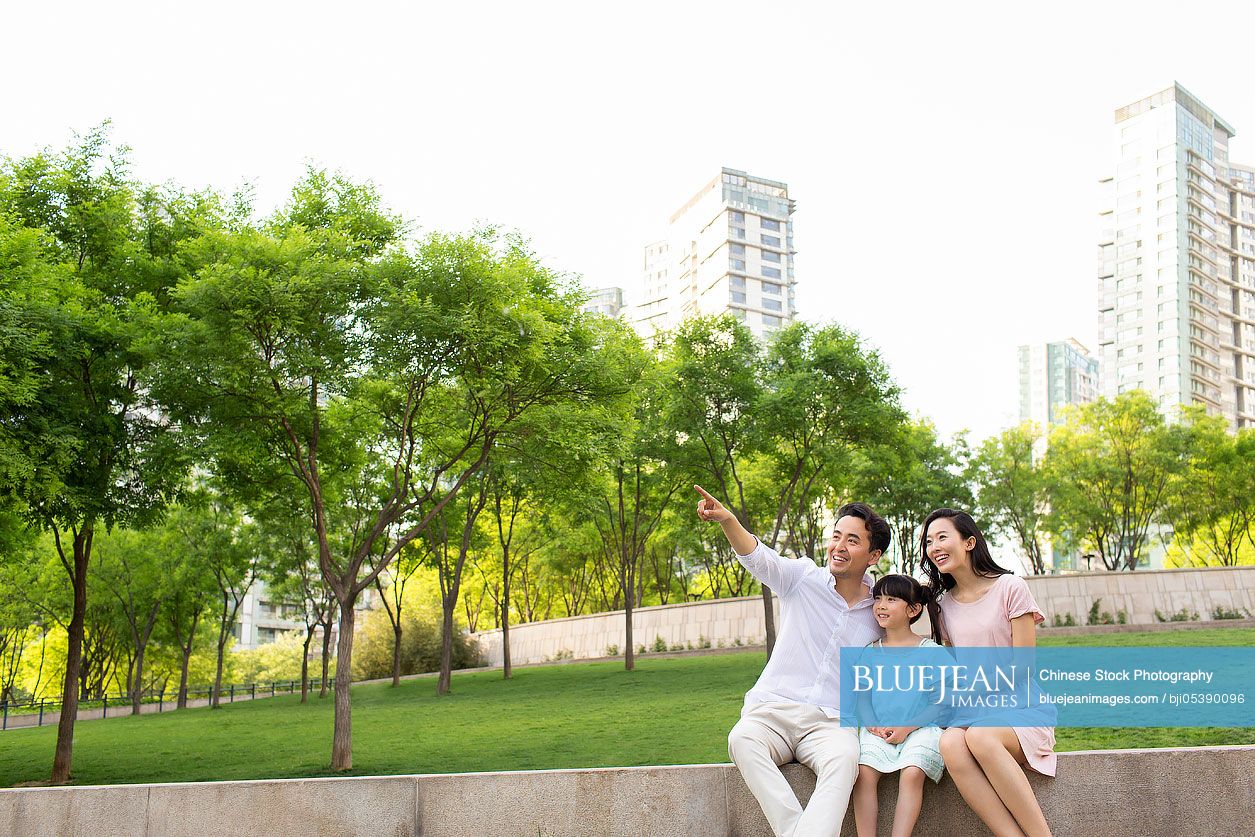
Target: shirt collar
(866, 601)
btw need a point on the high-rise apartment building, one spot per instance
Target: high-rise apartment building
(1177, 260)
(1054, 376)
(729, 248)
(608, 301)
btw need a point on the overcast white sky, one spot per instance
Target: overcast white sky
(943, 156)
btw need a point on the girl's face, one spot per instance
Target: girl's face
(892, 612)
(945, 548)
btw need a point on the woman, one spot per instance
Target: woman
(984, 605)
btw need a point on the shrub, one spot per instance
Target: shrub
(1092, 619)
(702, 642)
(1222, 612)
(420, 645)
(1182, 615)
(563, 654)
(640, 649)
(660, 644)
(612, 650)
(1122, 618)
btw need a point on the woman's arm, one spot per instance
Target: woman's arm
(1023, 631)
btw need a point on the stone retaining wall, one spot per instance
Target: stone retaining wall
(728, 621)
(1121, 793)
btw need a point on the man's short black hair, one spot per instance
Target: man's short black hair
(876, 525)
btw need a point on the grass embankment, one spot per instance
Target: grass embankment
(668, 711)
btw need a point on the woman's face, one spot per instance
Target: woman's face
(945, 548)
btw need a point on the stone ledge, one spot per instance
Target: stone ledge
(1101, 793)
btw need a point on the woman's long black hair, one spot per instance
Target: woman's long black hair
(982, 562)
(913, 593)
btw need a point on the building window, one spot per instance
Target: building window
(737, 249)
(737, 217)
(738, 232)
(771, 272)
(737, 264)
(738, 297)
(769, 256)
(772, 305)
(769, 224)
(736, 282)
(770, 240)
(771, 289)
(769, 320)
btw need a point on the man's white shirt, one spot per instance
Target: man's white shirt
(815, 623)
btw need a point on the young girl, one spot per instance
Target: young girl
(986, 606)
(898, 602)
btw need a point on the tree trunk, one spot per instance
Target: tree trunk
(629, 655)
(506, 666)
(186, 653)
(446, 646)
(137, 690)
(769, 619)
(73, 659)
(396, 649)
(181, 703)
(217, 690)
(326, 657)
(342, 734)
(309, 637)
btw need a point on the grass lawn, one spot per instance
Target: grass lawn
(668, 711)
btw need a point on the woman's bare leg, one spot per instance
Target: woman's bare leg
(866, 804)
(999, 753)
(910, 799)
(970, 779)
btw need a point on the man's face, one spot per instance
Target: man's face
(850, 550)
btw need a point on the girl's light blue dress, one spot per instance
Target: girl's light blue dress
(921, 748)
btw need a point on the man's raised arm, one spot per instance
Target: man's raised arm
(766, 565)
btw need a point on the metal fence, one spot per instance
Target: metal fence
(37, 713)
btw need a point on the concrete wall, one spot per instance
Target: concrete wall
(728, 620)
(583, 637)
(1121, 793)
(1143, 592)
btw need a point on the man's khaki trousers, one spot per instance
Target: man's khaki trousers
(771, 734)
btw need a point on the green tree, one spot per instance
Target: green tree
(429, 352)
(1211, 500)
(906, 478)
(190, 595)
(81, 442)
(824, 396)
(630, 496)
(229, 549)
(293, 575)
(714, 365)
(1011, 489)
(132, 567)
(1109, 467)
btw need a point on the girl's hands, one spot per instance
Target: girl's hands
(896, 735)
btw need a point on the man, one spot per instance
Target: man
(792, 712)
